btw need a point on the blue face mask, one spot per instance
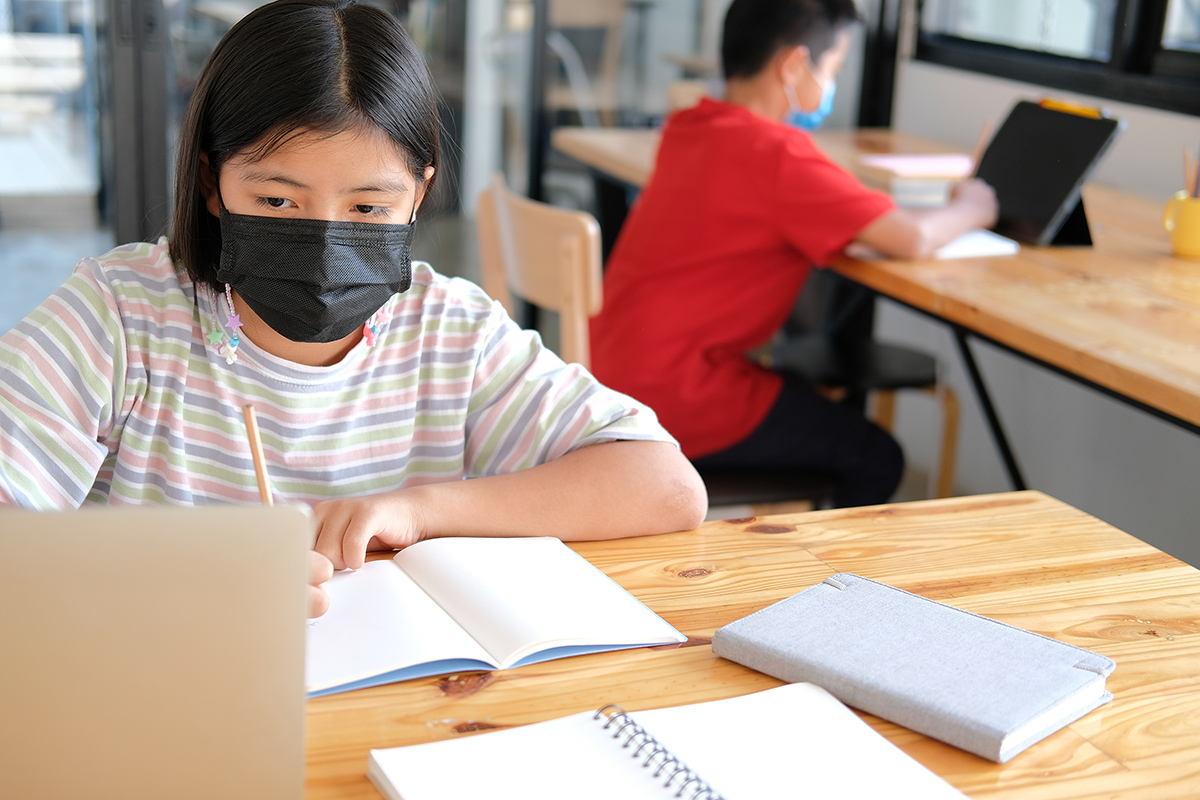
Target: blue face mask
(810, 120)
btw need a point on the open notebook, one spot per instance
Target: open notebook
(443, 605)
(795, 740)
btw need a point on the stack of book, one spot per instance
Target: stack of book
(915, 180)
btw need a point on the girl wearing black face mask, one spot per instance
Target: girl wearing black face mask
(352, 269)
(287, 283)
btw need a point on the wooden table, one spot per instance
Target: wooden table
(1122, 316)
(1021, 557)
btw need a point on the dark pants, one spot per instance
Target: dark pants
(805, 430)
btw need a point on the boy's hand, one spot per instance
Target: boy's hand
(347, 528)
(979, 197)
(319, 571)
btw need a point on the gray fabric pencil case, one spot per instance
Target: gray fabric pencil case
(987, 687)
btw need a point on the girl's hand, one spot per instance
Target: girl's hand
(319, 571)
(347, 528)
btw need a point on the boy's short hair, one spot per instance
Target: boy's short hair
(755, 30)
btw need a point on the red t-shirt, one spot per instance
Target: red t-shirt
(709, 263)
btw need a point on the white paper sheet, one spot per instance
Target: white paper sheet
(792, 741)
(379, 621)
(517, 596)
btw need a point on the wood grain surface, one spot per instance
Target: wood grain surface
(1021, 557)
(1123, 314)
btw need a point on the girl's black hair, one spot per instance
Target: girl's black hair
(322, 65)
(755, 30)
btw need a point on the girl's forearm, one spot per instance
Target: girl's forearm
(603, 491)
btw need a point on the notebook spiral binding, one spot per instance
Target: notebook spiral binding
(678, 776)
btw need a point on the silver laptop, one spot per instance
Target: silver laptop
(153, 652)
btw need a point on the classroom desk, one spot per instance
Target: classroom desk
(1021, 557)
(1122, 316)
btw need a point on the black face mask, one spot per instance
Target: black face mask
(314, 280)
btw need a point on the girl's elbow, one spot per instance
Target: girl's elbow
(694, 506)
(686, 498)
(694, 500)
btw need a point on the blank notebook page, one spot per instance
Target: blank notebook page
(790, 741)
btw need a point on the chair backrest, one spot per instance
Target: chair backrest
(595, 31)
(683, 94)
(548, 256)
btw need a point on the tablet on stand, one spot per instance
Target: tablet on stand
(1038, 162)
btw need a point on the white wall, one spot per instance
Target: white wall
(1118, 463)
(951, 106)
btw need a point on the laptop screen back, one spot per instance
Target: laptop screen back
(153, 652)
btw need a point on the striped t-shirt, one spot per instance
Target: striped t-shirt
(111, 393)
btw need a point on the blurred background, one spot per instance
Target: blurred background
(92, 91)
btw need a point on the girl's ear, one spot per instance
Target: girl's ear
(208, 186)
(424, 185)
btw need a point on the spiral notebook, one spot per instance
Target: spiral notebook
(790, 741)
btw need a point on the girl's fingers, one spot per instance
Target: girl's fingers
(330, 527)
(320, 568)
(318, 601)
(347, 529)
(355, 538)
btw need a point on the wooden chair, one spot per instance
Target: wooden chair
(550, 257)
(593, 33)
(683, 94)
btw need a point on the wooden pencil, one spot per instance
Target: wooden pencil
(260, 464)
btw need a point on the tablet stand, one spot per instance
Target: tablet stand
(1074, 231)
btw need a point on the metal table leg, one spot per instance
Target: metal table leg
(985, 400)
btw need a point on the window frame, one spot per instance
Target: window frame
(1139, 70)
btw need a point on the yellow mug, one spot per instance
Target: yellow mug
(1182, 219)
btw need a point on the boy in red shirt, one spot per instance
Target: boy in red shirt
(740, 207)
